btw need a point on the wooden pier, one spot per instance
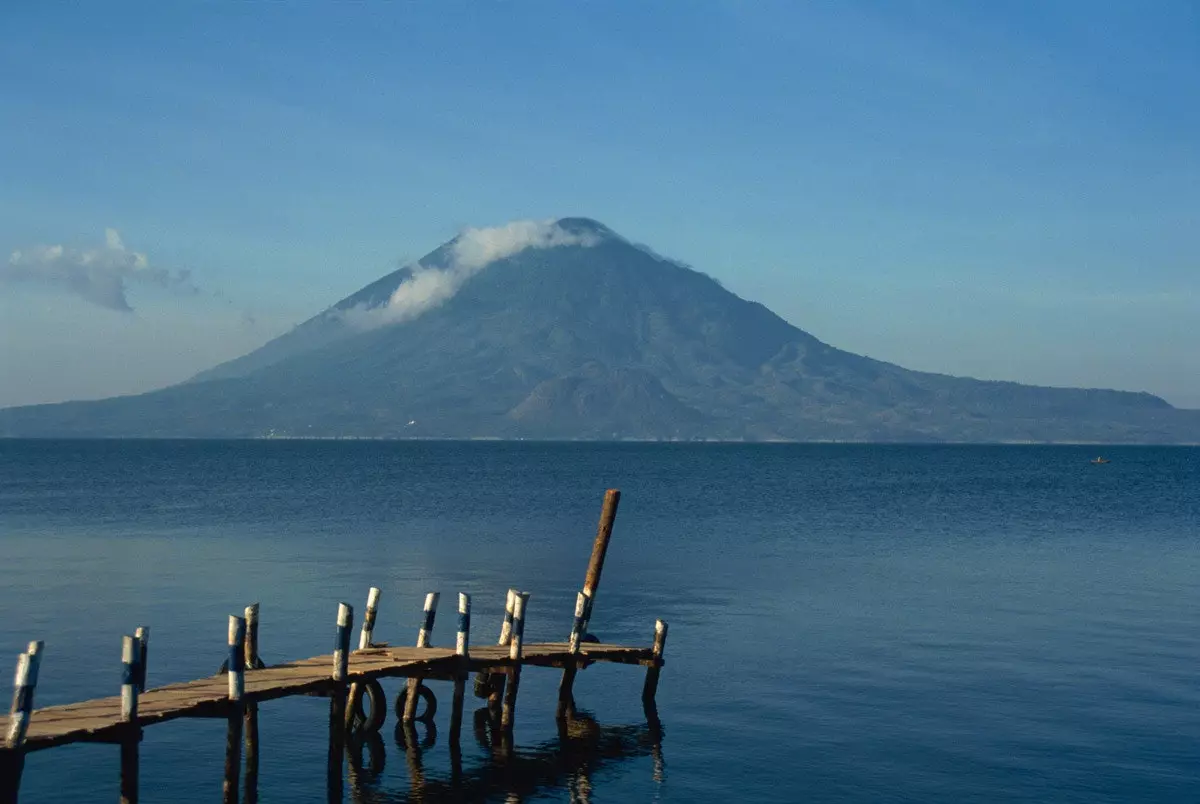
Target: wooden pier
(349, 678)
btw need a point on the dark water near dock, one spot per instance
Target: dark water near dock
(848, 623)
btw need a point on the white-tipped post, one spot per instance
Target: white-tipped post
(24, 684)
(237, 657)
(506, 626)
(462, 643)
(368, 626)
(129, 691)
(142, 634)
(341, 648)
(580, 623)
(508, 710)
(650, 688)
(431, 604)
(518, 626)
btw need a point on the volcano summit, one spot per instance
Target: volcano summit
(565, 330)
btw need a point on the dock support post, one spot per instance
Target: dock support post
(462, 647)
(12, 757)
(337, 702)
(493, 683)
(566, 694)
(414, 684)
(250, 716)
(514, 653)
(650, 688)
(142, 635)
(237, 689)
(364, 642)
(131, 656)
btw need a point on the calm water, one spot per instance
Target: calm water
(848, 623)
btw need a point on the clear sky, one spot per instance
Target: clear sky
(1006, 190)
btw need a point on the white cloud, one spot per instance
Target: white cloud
(100, 275)
(472, 251)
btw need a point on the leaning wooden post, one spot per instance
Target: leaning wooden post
(587, 598)
(414, 683)
(650, 688)
(337, 701)
(514, 653)
(462, 647)
(364, 642)
(12, 757)
(237, 690)
(131, 655)
(591, 581)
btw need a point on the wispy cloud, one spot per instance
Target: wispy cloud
(100, 275)
(473, 250)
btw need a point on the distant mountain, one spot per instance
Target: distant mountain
(565, 330)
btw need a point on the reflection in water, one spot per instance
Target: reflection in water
(568, 761)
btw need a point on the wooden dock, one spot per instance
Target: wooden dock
(349, 678)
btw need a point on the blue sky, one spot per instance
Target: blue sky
(1002, 190)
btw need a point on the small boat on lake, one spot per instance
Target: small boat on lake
(1100, 460)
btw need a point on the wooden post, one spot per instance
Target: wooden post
(364, 642)
(237, 657)
(414, 684)
(566, 695)
(494, 682)
(337, 702)
(591, 580)
(250, 714)
(131, 654)
(233, 726)
(650, 688)
(252, 661)
(250, 783)
(514, 653)
(462, 646)
(12, 756)
(130, 651)
(24, 685)
(368, 626)
(142, 634)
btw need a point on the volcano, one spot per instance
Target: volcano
(566, 330)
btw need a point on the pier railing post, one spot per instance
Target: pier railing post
(250, 654)
(337, 701)
(131, 657)
(414, 684)
(491, 685)
(237, 691)
(515, 647)
(462, 647)
(12, 754)
(650, 688)
(142, 635)
(250, 709)
(566, 695)
(364, 642)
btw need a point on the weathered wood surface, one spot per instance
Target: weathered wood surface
(100, 719)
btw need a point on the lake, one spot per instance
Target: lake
(849, 623)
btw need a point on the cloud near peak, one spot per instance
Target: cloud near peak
(100, 275)
(474, 249)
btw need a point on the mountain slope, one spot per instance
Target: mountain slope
(572, 332)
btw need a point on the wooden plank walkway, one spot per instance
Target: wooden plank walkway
(100, 720)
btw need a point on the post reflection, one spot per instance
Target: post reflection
(500, 772)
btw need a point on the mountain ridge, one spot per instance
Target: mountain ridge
(565, 329)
